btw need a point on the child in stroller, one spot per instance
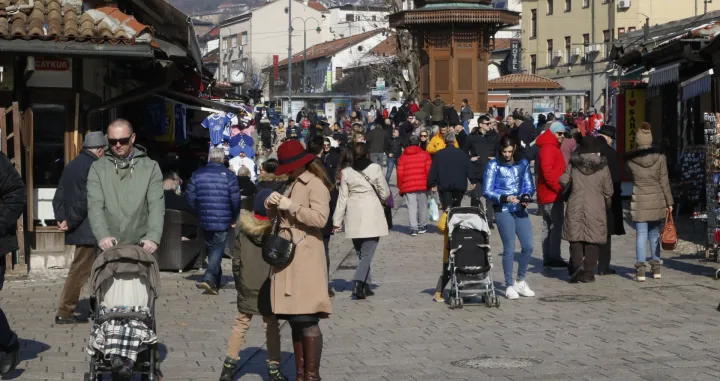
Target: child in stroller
(124, 285)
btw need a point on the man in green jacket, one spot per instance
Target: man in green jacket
(126, 203)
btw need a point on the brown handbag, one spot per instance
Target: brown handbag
(669, 234)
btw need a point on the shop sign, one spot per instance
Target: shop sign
(380, 84)
(634, 115)
(514, 58)
(51, 64)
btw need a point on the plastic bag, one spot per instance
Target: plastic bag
(433, 210)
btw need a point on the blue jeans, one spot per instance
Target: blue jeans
(644, 231)
(466, 126)
(391, 163)
(215, 243)
(510, 225)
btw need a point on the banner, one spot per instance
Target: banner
(276, 71)
(328, 77)
(634, 115)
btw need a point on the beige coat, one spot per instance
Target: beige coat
(301, 288)
(651, 187)
(358, 204)
(592, 188)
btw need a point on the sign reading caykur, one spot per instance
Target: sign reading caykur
(51, 64)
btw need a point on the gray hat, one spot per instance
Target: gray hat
(95, 139)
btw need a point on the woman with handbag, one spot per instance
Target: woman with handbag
(294, 249)
(363, 192)
(651, 200)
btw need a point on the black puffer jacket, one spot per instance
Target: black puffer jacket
(394, 146)
(70, 201)
(12, 205)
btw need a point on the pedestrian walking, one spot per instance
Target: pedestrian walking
(424, 139)
(437, 110)
(549, 198)
(616, 225)
(393, 150)
(509, 185)
(70, 205)
(251, 273)
(126, 203)
(449, 173)
(481, 145)
(377, 141)
(214, 195)
(362, 186)
(651, 200)
(12, 205)
(588, 177)
(412, 179)
(466, 114)
(298, 292)
(437, 143)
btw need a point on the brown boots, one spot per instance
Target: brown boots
(308, 352)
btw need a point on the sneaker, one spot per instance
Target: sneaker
(275, 375)
(640, 271)
(422, 230)
(10, 359)
(414, 232)
(511, 293)
(438, 298)
(558, 264)
(523, 289)
(208, 287)
(656, 268)
(228, 371)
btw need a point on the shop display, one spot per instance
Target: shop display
(712, 200)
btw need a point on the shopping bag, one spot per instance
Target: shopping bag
(669, 234)
(433, 211)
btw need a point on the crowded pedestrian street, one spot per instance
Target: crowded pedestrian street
(612, 329)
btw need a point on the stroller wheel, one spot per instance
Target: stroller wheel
(497, 302)
(488, 301)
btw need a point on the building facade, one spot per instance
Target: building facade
(569, 40)
(349, 20)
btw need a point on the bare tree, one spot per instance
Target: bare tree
(407, 57)
(254, 74)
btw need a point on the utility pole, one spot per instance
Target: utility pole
(289, 71)
(592, 63)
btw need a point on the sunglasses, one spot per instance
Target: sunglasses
(423, 136)
(122, 141)
(560, 134)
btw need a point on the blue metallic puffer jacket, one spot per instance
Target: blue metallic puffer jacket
(214, 195)
(505, 179)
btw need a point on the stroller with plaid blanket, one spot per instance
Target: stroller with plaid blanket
(124, 285)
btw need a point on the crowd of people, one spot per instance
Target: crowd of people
(311, 180)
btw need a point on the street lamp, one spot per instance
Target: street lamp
(305, 20)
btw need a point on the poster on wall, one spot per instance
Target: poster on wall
(634, 115)
(330, 112)
(542, 106)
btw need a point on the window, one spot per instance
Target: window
(233, 41)
(631, 29)
(568, 48)
(533, 23)
(621, 31)
(350, 17)
(549, 7)
(226, 43)
(338, 73)
(243, 38)
(549, 51)
(568, 5)
(533, 64)
(606, 35)
(586, 39)
(586, 3)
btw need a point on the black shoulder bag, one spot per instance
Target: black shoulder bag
(276, 250)
(386, 208)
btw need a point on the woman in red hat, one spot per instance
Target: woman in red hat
(299, 292)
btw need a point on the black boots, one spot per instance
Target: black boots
(359, 290)
(368, 291)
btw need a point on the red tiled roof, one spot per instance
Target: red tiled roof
(523, 81)
(502, 43)
(213, 56)
(318, 6)
(386, 48)
(64, 22)
(329, 48)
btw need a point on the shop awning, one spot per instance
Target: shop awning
(189, 100)
(497, 100)
(699, 84)
(664, 75)
(75, 49)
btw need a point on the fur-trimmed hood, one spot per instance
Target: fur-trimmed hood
(645, 157)
(271, 177)
(253, 228)
(588, 163)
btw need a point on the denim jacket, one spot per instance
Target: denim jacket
(502, 180)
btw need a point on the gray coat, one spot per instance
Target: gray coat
(651, 187)
(592, 188)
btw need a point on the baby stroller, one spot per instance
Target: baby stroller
(470, 260)
(124, 285)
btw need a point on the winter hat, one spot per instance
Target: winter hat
(95, 139)
(557, 127)
(259, 203)
(644, 137)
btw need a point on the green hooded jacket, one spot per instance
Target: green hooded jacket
(126, 198)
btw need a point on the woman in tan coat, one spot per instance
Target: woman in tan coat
(299, 292)
(586, 212)
(651, 200)
(359, 206)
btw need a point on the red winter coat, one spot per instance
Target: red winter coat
(552, 166)
(413, 169)
(414, 108)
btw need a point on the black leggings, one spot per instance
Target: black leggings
(7, 337)
(444, 279)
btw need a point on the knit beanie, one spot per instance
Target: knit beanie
(259, 202)
(644, 137)
(557, 127)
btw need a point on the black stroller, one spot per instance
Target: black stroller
(124, 285)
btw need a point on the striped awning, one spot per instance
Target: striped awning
(664, 75)
(699, 84)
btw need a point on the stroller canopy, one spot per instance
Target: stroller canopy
(468, 217)
(125, 259)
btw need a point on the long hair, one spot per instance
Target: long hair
(317, 168)
(506, 141)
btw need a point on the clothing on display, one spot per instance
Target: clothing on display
(217, 124)
(180, 123)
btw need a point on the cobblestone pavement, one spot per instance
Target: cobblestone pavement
(659, 330)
